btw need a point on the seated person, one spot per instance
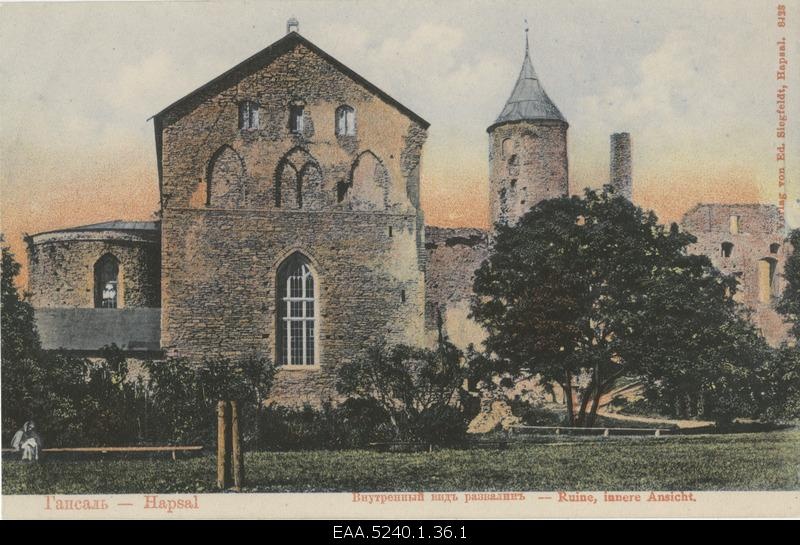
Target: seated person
(28, 441)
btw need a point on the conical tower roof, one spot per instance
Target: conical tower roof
(528, 100)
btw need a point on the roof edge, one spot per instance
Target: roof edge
(99, 227)
(541, 121)
(298, 38)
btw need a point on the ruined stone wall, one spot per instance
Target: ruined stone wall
(751, 239)
(453, 257)
(349, 203)
(61, 267)
(527, 164)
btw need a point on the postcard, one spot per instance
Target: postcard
(400, 260)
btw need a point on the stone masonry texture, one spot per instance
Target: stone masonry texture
(454, 254)
(621, 176)
(527, 164)
(755, 236)
(61, 267)
(237, 202)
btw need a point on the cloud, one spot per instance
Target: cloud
(140, 87)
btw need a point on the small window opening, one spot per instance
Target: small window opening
(296, 118)
(402, 296)
(507, 147)
(734, 225)
(390, 231)
(106, 282)
(248, 115)
(774, 248)
(766, 279)
(345, 121)
(727, 249)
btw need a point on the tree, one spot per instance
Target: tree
(779, 385)
(586, 290)
(21, 346)
(419, 390)
(48, 388)
(183, 396)
(789, 304)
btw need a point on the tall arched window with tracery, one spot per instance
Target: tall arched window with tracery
(297, 312)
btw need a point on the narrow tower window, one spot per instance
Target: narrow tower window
(513, 165)
(507, 147)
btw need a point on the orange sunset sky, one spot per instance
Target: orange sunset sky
(693, 82)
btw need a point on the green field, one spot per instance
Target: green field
(752, 461)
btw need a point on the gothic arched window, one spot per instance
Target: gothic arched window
(106, 282)
(345, 121)
(297, 311)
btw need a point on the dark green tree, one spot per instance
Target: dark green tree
(183, 396)
(586, 290)
(20, 350)
(789, 304)
(779, 385)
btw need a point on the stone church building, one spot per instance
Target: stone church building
(291, 227)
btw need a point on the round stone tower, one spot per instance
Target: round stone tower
(527, 149)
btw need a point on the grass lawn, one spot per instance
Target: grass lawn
(752, 461)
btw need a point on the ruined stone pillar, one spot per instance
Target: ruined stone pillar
(621, 170)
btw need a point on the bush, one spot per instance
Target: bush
(353, 424)
(420, 391)
(183, 398)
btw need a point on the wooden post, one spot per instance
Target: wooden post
(237, 457)
(222, 450)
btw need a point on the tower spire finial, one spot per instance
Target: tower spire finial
(527, 48)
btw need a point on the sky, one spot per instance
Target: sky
(693, 82)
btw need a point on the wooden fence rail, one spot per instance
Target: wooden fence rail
(106, 450)
(607, 431)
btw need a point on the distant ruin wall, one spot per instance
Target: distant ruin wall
(453, 257)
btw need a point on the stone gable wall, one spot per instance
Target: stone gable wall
(357, 220)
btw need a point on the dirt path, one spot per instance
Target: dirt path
(679, 423)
